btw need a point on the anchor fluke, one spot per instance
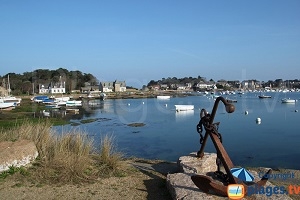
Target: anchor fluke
(207, 184)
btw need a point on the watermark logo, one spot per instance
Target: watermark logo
(235, 191)
(283, 176)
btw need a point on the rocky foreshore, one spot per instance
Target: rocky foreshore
(178, 178)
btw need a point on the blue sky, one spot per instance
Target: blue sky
(139, 40)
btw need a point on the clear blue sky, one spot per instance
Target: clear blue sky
(139, 40)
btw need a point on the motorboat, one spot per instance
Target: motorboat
(7, 105)
(11, 99)
(288, 100)
(264, 96)
(73, 103)
(39, 99)
(48, 101)
(184, 107)
(164, 97)
(61, 99)
(231, 100)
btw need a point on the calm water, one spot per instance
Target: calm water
(168, 134)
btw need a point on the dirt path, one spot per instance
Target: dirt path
(147, 181)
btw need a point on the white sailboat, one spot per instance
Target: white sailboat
(6, 105)
(9, 98)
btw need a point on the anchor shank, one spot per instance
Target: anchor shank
(200, 153)
(226, 161)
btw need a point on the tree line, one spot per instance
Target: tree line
(29, 82)
(174, 80)
(278, 83)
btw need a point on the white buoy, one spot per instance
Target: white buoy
(128, 104)
(143, 102)
(258, 120)
(166, 105)
(246, 112)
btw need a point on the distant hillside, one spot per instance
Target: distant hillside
(28, 81)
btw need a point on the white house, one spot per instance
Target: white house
(56, 89)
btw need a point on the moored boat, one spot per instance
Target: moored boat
(184, 107)
(163, 97)
(7, 105)
(11, 99)
(39, 99)
(288, 100)
(73, 103)
(264, 96)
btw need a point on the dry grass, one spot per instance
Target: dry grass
(109, 158)
(67, 157)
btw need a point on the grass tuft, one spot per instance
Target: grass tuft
(109, 158)
(68, 157)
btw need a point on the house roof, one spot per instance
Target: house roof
(107, 84)
(122, 83)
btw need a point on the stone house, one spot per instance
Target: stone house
(120, 86)
(87, 89)
(107, 86)
(112, 86)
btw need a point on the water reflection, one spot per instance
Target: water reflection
(184, 115)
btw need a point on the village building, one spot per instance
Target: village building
(180, 86)
(58, 88)
(112, 86)
(120, 86)
(89, 88)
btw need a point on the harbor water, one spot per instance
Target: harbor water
(168, 134)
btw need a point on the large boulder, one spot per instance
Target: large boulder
(17, 154)
(181, 186)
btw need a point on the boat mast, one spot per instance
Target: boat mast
(8, 89)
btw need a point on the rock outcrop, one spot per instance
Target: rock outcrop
(182, 187)
(17, 154)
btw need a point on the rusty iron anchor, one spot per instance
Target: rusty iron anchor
(206, 183)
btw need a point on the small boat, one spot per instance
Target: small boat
(11, 99)
(39, 99)
(163, 97)
(7, 105)
(231, 100)
(48, 101)
(102, 96)
(184, 107)
(73, 103)
(288, 100)
(264, 96)
(61, 99)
